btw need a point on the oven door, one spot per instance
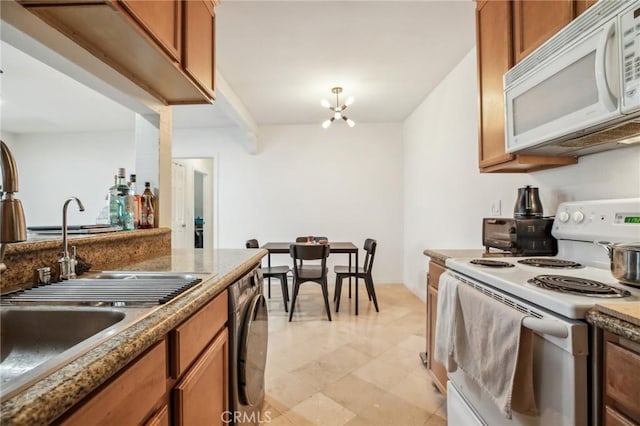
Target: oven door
(559, 369)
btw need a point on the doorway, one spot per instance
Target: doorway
(199, 196)
(193, 221)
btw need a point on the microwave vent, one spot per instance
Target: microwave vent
(605, 136)
(599, 12)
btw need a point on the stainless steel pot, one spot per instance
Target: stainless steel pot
(625, 261)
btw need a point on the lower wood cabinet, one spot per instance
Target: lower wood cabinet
(621, 380)
(182, 380)
(201, 397)
(129, 398)
(160, 418)
(437, 371)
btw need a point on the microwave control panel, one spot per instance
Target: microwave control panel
(630, 43)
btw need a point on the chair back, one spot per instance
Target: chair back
(300, 252)
(316, 239)
(370, 247)
(252, 244)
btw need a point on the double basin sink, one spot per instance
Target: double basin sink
(37, 339)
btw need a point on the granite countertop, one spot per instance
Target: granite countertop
(621, 318)
(441, 255)
(47, 399)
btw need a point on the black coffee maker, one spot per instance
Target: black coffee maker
(528, 204)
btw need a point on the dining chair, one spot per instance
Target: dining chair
(306, 240)
(277, 272)
(363, 272)
(306, 273)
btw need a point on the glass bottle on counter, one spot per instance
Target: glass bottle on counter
(147, 216)
(126, 206)
(114, 203)
(135, 199)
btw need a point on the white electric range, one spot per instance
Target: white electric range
(565, 346)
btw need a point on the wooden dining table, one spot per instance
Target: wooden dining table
(334, 247)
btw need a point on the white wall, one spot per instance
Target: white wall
(55, 166)
(345, 183)
(445, 195)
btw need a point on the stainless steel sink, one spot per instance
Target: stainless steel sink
(37, 340)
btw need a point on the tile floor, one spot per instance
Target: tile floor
(355, 370)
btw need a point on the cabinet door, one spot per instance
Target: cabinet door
(199, 34)
(162, 19)
(131, 396)
(582, 5)
(437, 370)
(534, 22)
(493, 38)
(161, 418)
(622, 378)
(614, 418)
(201, 397)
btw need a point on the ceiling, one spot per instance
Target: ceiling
(280, 58)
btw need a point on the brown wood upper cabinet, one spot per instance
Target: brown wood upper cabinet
(164, 46)
(163, 21)
(199, 33)
(494, 45)
(534, 22)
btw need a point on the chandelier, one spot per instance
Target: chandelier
(337, 110)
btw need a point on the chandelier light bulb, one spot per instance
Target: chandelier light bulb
(338, 109)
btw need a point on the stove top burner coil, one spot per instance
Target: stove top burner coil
(575, 285)
(492, 263)
(542, 262)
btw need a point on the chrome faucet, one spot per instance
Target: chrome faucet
(68, 263)
(12, 224)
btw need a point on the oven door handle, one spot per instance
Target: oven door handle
(551, 328)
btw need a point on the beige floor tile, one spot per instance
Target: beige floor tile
(436, 420)
(381, 374)
(332, 367)
(270, 410)
(297, 419)
(413, 343)
(322, 410)
(392, 410)
(363, 369)
(289, 390)
(353, 393)
(402, 358)
(419, 391)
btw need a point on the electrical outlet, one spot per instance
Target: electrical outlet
(496, 207)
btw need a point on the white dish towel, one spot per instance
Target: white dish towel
(486, 340)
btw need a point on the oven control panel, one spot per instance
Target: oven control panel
(611, 220)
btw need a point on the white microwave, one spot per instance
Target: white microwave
(579, 92)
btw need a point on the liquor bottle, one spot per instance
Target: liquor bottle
(114, 203)
(147, 218)
(126, 206)
(136, 199)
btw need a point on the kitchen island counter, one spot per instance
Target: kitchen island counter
(47, 399)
